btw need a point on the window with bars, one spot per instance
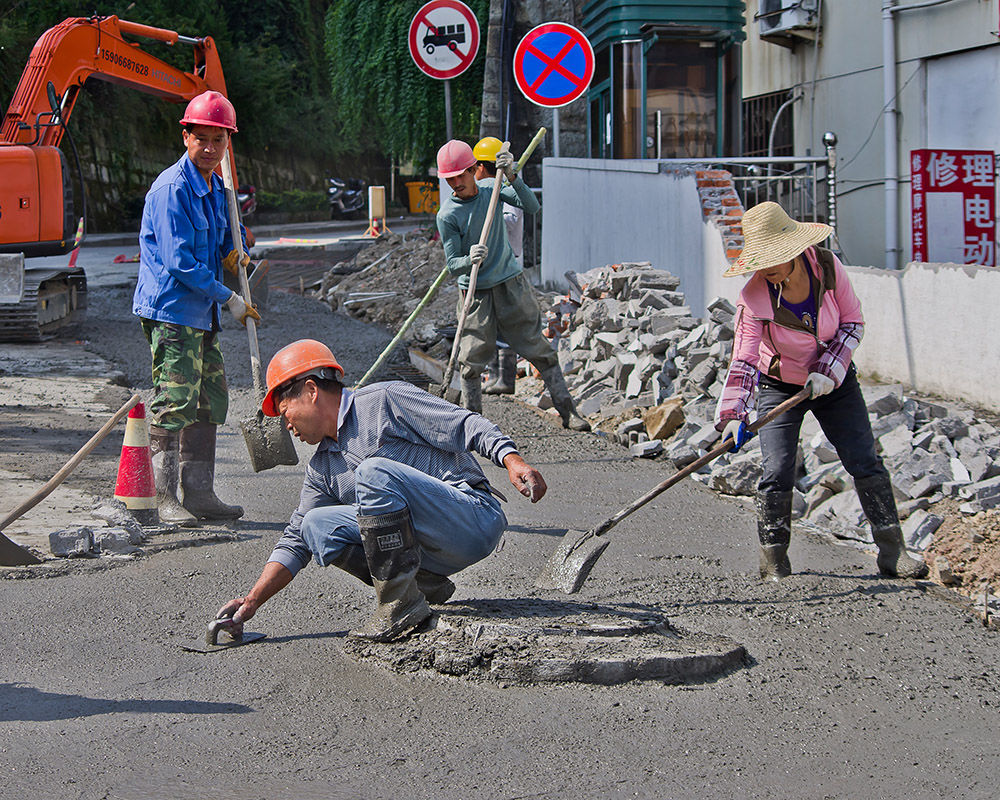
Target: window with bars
(758, 116)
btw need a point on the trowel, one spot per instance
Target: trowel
(210, 643)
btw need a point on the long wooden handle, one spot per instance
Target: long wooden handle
(234, 227)
(70, 465)
(711, 455)
(470, 294)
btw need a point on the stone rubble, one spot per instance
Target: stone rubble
(644, 371)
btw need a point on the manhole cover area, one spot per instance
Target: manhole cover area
(528, 642)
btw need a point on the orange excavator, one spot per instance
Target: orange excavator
(37, 212)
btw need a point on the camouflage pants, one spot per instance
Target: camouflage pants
(189, 381)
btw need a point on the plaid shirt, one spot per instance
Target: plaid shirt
(397, 421)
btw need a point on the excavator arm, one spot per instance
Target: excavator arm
(37, 214)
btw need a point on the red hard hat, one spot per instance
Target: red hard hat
(294, 361)
(454, 158)
(210, 108)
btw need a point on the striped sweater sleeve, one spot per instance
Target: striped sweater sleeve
(834, 361)
(737, 398)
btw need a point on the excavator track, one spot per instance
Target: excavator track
(50, 300)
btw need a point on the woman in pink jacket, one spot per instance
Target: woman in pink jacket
(798, 322)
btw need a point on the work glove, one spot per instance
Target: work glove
(478, 252)
(241, 310)
(232, 261)
(819, 385)
(738, 431)
(505, 162)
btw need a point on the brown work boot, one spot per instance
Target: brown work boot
(563, 402)
(394, 558)
(197, 469)
(774, 529)
(164, 448)
(875, 494)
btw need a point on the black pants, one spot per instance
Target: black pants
(841, 414)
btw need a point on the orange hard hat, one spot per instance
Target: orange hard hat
(296, 360)
(454, 158)
(210, 108)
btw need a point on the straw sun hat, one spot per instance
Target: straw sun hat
(772, 238)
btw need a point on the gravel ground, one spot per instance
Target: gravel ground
(853, 686)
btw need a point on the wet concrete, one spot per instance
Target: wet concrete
(853, 685)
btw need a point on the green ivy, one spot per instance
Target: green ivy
(380, 95)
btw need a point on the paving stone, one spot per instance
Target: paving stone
(114, 541)
(822, 449)
(959, 474)
(663, 420)
(646, 449)
(815, 497)
(883, 399)
(942, 444)
(919, 527)
(887, 423)
(952, 427)
(72, 542)
(981, 490)
(706, 438)
(923, 438)
(629, 425)
(681, 454)
(897, 442)
(943, 569)
(738, 477)
(907, 507)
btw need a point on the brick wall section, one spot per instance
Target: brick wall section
(720, 204)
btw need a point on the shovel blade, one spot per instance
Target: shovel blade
(572, 562)
(268, 442)
(13, 555)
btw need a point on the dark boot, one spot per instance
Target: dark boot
(394, 558)
(353, 561)
(875, 494)
(198, 474)
(164, 447)
(436, 588)
(472, 394)
(506, 374)
(562, 401)
(774, 529)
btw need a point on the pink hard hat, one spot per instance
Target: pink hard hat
(454, 158)
(210, 108)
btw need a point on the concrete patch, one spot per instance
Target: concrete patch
(524, 642)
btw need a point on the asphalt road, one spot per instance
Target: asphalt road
(855, 686)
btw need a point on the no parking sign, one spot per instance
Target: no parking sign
(553, 64)
(444, 38)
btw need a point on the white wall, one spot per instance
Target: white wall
(598, 212)
(930, 327)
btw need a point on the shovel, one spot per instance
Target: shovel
(577, 553)
(268, 440)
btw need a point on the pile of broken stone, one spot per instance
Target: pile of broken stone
(646, 371)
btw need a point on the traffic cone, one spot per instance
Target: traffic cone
(135, 487)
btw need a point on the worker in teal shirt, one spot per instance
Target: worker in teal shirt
(184, 244)
(505, 301)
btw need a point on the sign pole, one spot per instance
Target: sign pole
(555, 132)
(447, 110)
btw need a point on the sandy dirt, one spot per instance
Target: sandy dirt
(853, 685)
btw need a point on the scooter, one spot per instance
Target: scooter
(247, 198)
(347, 199)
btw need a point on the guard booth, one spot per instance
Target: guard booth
(667, 78)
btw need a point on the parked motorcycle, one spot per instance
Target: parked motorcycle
(346, 198)
(247, 198)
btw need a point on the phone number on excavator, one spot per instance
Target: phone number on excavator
(125, 63)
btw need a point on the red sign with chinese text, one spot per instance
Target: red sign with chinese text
(952, 199)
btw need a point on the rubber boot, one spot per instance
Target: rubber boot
(394, 558)
(197, 454)
(472, 394)
(556, 384)
(164, 448)
(506, 373)
(875, 494)
(774, 529)
(436, 588)
(353, 561)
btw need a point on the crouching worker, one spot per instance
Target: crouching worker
(392, 495)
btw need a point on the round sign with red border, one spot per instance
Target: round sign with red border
(444, 38)
(553, 64)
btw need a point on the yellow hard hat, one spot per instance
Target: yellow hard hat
(486, 149)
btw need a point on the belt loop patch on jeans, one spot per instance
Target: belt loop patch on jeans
(391, 541)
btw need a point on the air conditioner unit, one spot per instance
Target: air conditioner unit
(783, 19)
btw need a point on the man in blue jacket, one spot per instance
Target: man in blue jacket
(178, 297)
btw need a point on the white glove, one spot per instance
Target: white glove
(819, 384)
(739, 432)
(478, 252)
(241, 310)
(505, 162)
